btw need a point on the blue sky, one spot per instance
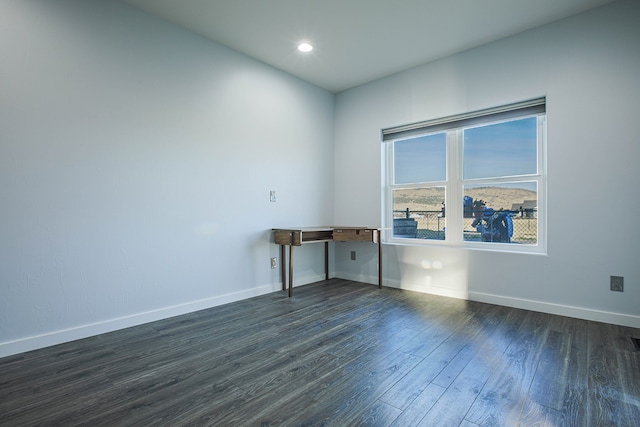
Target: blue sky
(422, 159)
(501, 149)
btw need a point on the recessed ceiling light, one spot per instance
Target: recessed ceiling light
(305, 47)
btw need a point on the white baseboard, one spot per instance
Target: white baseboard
(543, 307)
(362, 278)
(61, 336)
(307, 280)
(58, 337)
(22, 345)
(562, 310)
(435, 290)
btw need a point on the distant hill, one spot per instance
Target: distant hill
(501, 198)
(431, 199)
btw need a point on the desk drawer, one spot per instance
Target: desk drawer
(298, 237)
(288, 237)
(355, 235)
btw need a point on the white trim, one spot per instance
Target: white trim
(559, 309)
(404, 285)
(58, 337)
(622, 319)
(9, 348)
(22, 345)
(307, 280)
(455, 184)
(422, 288)
(361, 278)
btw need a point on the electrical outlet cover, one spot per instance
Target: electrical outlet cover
(617, 283)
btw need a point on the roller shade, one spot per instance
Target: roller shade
(504, 112)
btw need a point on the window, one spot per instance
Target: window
(476, 179)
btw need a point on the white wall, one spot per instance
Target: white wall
(136, 161)
(588, 67)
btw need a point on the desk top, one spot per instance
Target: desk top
(304, 229)
(324, 228)
(298, 236)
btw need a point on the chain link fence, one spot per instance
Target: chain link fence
(522, 226)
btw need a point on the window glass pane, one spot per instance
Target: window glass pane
(418, 213)
(502, 213)
(501, 149)
(421, 159)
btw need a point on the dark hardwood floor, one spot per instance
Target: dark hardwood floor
(338, 353)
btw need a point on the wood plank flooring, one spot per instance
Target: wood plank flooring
(339, 353)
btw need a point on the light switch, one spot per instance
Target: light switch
(272, 195)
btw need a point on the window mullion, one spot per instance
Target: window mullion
(542, 182)
(387, 202)
(454, 187)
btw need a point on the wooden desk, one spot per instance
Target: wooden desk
(298, 236)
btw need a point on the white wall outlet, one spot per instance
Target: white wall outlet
(274, 262)
(272, 196)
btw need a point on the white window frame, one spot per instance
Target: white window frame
(454, 184)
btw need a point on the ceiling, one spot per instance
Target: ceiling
(357, 41)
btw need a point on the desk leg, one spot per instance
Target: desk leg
(283, 267)
(379, 263)
(290, 270)
(326, 260)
